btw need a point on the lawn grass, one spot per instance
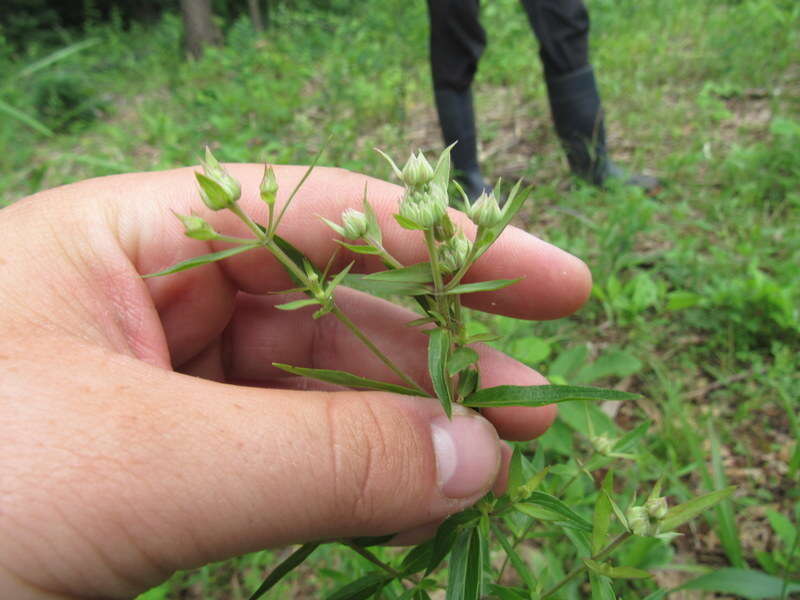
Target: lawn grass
(696, 292)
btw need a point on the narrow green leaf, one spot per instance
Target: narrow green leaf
(335, 226)
(601, 587)
(601, 520)
(56, 56)
(615, 572)
(417, 559)
(296, 304)
(279, 572)
(678, 515)
(628, 441)
(337, 279)
(358, 248)
(418, 273)
(373, 229)
(297, 257)
(468, 381)
(376, 540)
(503, 592)
(361, 588)
(347, 379)
(554, 504)
(515, 472)
(406, 223)
(461, 359)
(441, 172)
(726, 521)
(198, 261)
(481, 286)
(746, 583)
(420, 321)
(530, 486)
(465, 567)
(519, 565)
(617, 510)
(447, 533)
(438, 351)
(23, 118)
(540, 395)
(384, 288)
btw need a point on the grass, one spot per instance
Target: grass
(696, 291)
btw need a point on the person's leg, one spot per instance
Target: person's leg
(457, 41)
(562, 28)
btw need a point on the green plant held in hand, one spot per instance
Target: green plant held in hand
(435, 288)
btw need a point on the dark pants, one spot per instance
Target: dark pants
(457, 38)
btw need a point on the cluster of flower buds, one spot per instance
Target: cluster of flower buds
(425, 206)
(644, 520)
(454, 252)
(217, 188)
(602, 444)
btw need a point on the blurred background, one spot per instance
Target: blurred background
(696, 295)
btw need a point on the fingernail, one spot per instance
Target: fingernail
(467, 454)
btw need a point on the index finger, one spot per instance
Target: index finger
(554, 283)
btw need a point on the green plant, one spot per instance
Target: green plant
(435, 287)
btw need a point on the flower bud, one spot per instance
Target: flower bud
(657, 507)
(354, 224)
(638, 520)
(217, 188)
(269, 186)
(453, 253)
(417, 172)
(603, 444)
(197, 228)
(213, 194)
(485, 211)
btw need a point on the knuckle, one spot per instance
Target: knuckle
(375, 462)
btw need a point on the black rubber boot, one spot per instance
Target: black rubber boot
(457, 119)
(578, 118)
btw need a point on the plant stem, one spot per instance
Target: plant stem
(578, 570)
(373, 559)
(237, 210)
(337, 312)
(516, 541)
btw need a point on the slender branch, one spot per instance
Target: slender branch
(337, 312)
(578, 570)
(237, 210)
(515, 542)
(373, 559)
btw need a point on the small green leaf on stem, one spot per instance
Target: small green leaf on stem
(296, 304)
(418, 273)
(678, 515)
(359, 248)
(540, 395)
(482, 286)
(198, 261)
(557, 506)
(347, 379)
(466, 566)
(602, 514)
(615, 572)
(361, 588)
(461, 359)
(447, 533)
(279, 572)
(438, 351)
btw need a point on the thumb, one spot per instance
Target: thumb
(160, 471)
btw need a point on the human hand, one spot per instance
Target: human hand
(116, 470)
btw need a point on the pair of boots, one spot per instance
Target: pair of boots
(577, 115)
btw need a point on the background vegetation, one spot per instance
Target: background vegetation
(696, 291)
